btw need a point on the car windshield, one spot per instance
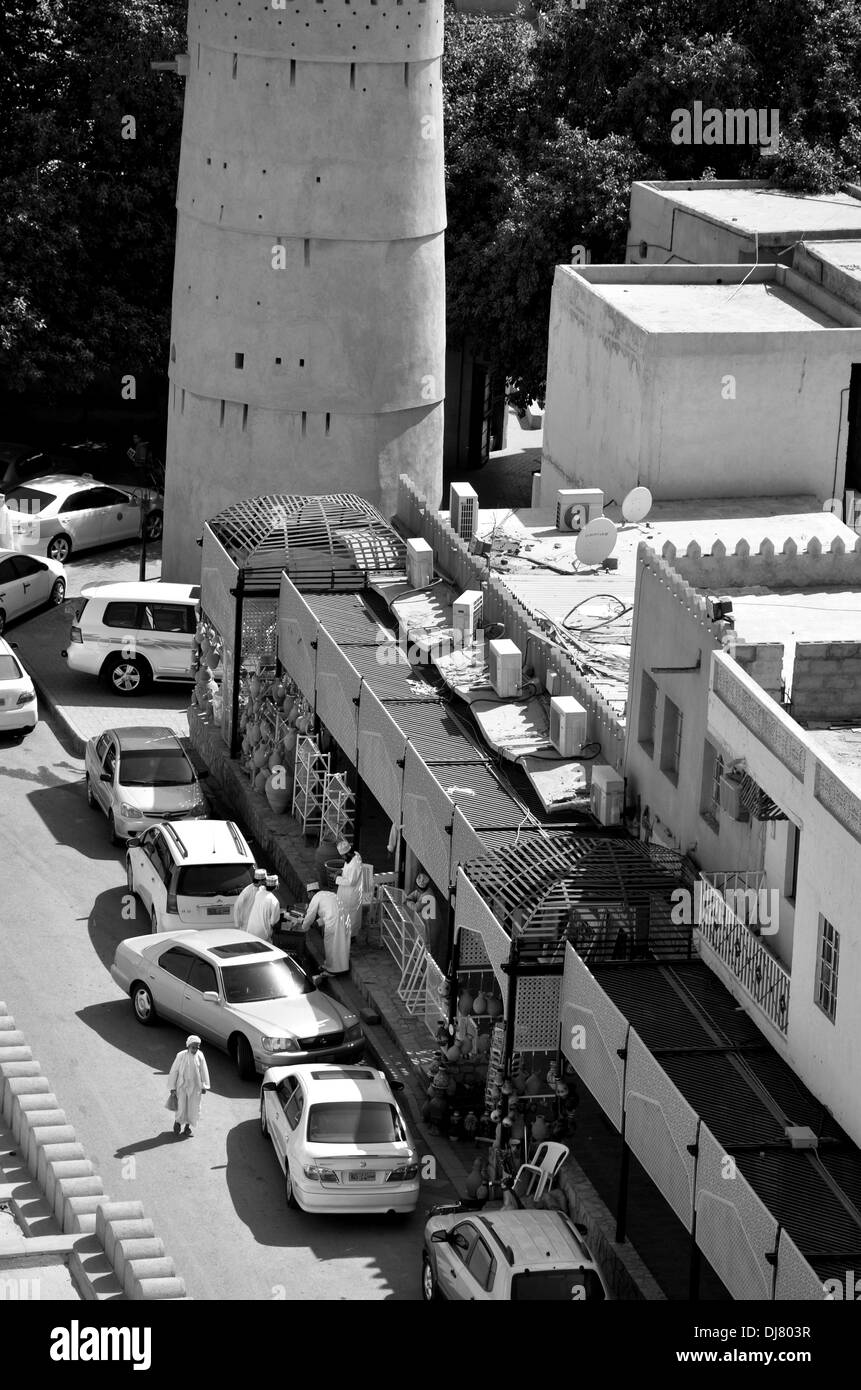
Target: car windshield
(166, 768)
(30, 499)
(557, 1285)
(9, 669)
(265, 979)
(354, 1122)
(212, 880)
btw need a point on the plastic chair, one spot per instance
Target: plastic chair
(536, 1177)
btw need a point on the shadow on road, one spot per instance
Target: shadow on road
(156, 1046)
(156, 1141)
(110, 921)
(63, 808)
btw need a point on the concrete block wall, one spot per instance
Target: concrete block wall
(826, 681)
(48, 1147)
(763, 662)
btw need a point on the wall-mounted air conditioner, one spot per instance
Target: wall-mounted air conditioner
(505, 663)
(607, 794)
(463, 510)
(730, 799)
(467, 611)
(419, 563)
(575, 507)
(567, 725)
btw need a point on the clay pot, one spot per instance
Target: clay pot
(305, 724)
(533, 1084)
(260, 781)
(473, 1180)
(255, 686)
(494, 1007)
(261, 756)
(539, 1129)
(254, 731)
(465, 1003)
(454, 1052)
(483, 1044)
(276, 794)
(479, 1006)
(438, 1109)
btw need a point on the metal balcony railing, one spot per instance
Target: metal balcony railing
(729, 914)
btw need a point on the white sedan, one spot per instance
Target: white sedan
(340, 1138)
(26, 583)
(59, 513)
(18, 705)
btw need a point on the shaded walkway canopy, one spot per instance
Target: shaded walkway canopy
(330, 542)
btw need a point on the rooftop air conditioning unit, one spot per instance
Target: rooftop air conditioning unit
(730, 799)
(467, 611)
(607, 794)
(567, 725)
(419, 563)
(463, 510)
(505, 666)
(575, 507)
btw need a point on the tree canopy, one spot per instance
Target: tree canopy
(547, 124)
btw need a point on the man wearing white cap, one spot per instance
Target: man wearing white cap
(265, 913)
(189, 1080)
(242, 909)
(349, 883)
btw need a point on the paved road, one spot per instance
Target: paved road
(216, 1200)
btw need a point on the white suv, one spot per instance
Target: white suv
(136, 633)
(190, 875)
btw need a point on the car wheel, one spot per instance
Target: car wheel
(143, 1004)
(112, 829)
(153, 920)
(289, 1194)
(2, 621)
(245, 1060)
(58, 593)
(264, 1128)
(60, 548)
(127, 675)
(430, 1288)
(153, 526)
(91, 800)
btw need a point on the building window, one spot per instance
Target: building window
(793, 844)
(710, 792)
(648, 712)
(671, 740)
(239, 360)
(827, 964)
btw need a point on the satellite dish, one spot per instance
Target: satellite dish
(596, 541)
(637, 504)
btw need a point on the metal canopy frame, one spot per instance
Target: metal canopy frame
(332, 542)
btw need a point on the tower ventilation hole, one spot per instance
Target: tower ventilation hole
(304, 423)
(292, 72)
(352, 78)
(235, 63)
(245, 417)
(239, 360)
(307, 251)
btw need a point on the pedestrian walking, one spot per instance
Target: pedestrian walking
(327, 909)
(349, 883)
(265, 913)
(189, 1080)
(245, 901)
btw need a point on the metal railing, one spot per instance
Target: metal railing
(402, 933)
(728, 933)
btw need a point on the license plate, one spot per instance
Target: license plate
(361, 1176)
(217, 911)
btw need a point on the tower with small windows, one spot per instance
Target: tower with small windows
(308, 325)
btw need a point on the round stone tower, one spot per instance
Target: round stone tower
(308, 331)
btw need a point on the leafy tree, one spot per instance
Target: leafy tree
(86, 216)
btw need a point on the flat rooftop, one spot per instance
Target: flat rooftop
(546, 577)
(697, 307)
(845, 254)
(752, 208)
(843, 746)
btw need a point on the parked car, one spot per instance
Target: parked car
(509, 1255)
(189, 875)
(141, 774)
(20, 462)
(340, 1138)
(26, 583)
(249, 998)
(19, 707)
(132, 634)
(59, 513)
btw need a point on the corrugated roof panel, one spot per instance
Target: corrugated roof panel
(345, 617)
(434, 733)
(478, 794)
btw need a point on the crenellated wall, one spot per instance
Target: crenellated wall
(308, 326)
(813, 566)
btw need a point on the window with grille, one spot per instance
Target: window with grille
(827, 964)
(671, 740)
(647, 714)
